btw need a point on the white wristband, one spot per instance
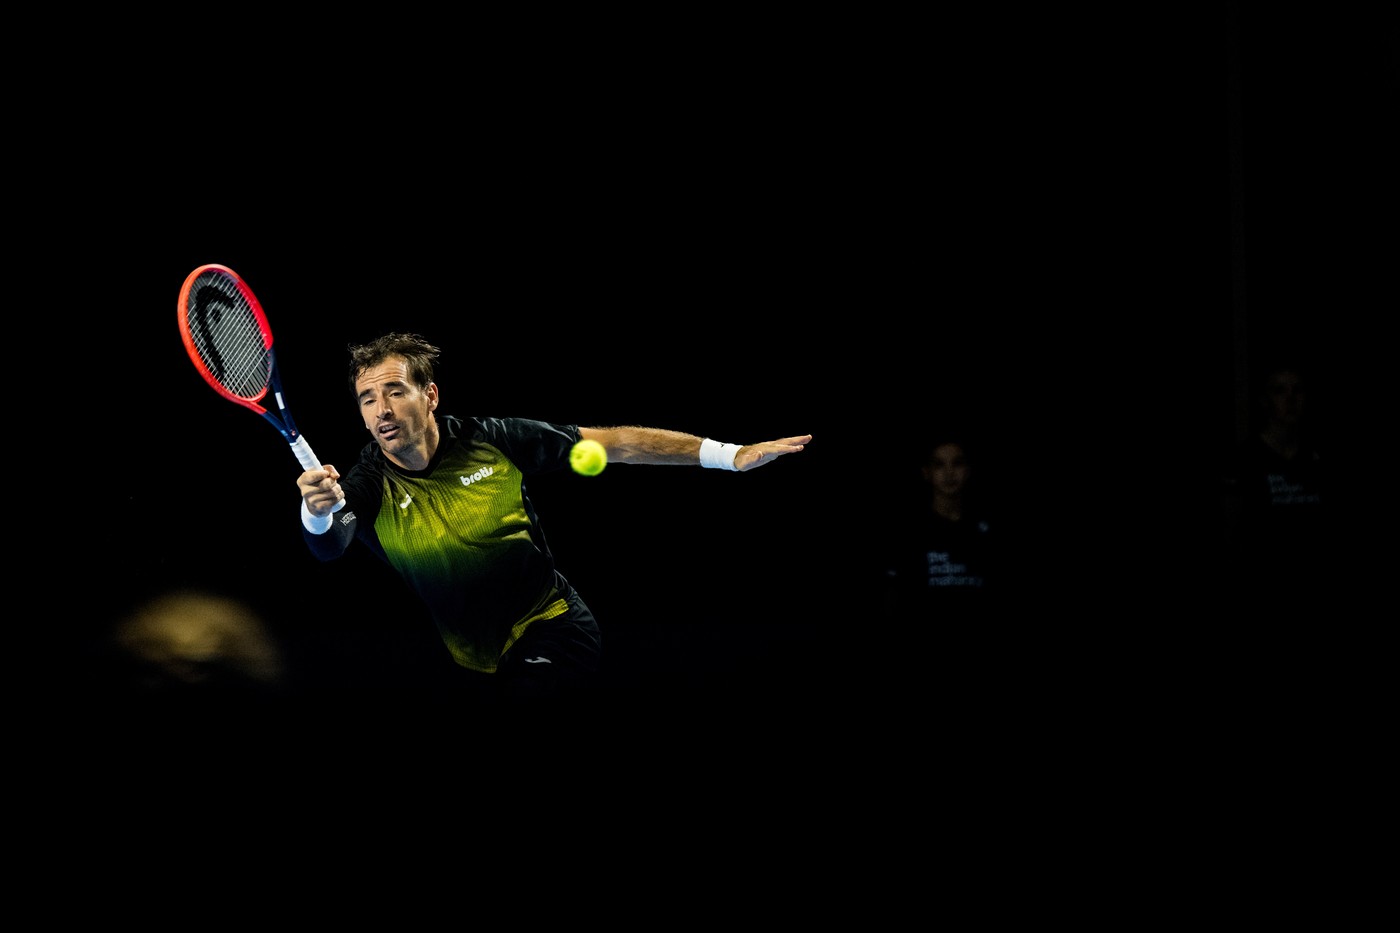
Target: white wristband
(717, 456)
(316, 524)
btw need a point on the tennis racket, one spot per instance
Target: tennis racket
(230, 343)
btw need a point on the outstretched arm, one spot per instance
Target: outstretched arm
(634, 444)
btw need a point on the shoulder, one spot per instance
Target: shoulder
(533, 445)
(519, 430)
(370, 458)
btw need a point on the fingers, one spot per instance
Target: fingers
(312, 480)
(320, 489)
(786, 445)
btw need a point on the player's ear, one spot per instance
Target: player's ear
(432, 396)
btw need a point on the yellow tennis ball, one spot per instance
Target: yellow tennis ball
(588, 457)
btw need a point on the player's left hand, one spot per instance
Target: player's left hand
(753, 456)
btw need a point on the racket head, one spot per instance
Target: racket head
(226, 335)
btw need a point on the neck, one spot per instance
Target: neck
(1281, 438)
(949, 507)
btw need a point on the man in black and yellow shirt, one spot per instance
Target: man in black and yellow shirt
(443, 501)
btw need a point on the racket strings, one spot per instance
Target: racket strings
(228, 336)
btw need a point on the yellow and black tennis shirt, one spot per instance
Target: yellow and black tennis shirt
(463, 533)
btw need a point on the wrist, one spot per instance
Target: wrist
(316, 524)
(717, 456)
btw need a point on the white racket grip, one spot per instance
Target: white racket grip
(309, 462)
(304, 454)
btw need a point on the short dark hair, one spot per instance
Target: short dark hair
(417, 352)
(935, 436)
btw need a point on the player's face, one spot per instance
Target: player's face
(396, 412)
(1286, 396)
(947, 469)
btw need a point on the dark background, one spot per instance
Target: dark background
(1076, 237)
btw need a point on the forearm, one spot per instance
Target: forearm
(328, 546)
(635, 444)
(326, 537)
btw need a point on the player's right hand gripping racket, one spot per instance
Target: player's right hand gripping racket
(230, 343)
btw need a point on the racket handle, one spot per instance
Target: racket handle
(304, 453)
(309, 462)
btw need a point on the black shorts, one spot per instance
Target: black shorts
(554, 658)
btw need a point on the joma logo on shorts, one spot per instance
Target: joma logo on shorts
(479, 474)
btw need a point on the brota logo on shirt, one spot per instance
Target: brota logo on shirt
(479, 474)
